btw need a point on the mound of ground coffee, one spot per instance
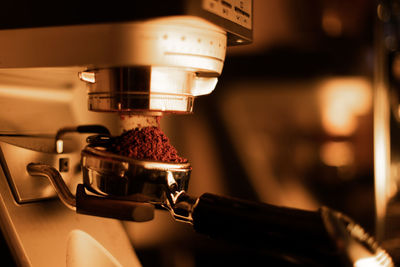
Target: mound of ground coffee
(147, 143)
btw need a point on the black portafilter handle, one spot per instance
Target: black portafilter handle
(112, 207)
(315, 238)
(91, 204)
(243, 220)
(262, 226)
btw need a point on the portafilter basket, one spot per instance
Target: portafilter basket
(109, 174)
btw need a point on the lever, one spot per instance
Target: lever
(91, 128)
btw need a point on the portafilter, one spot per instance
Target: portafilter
(124, 188)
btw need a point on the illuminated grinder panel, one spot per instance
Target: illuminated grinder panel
(175, 60)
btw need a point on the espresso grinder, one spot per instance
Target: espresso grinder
(136, 64)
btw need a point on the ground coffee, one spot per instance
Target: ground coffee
(148, 143)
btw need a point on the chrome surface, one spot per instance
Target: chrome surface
(146, 88)
(182, 209)
(178, 202)
(63, 192)
(141, 180)
(14, 160)
(129, 89)
(358, 246)
(386, 126)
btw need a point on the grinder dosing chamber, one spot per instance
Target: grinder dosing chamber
(174, 60)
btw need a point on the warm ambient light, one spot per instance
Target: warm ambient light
(337, 154)
(375, 261)
(381, 156)
(331, 23)
(12, 91)
(342, 100)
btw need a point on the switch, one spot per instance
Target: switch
(63, 164)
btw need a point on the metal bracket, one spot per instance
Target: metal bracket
(14, 159)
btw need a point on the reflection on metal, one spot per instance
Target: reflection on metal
(360, 248)
(87, 76)
(106, 173)
(147, 88)
(382, 148)
(178, 202)
(59, 146)
(136, 181)
(25, 188)
(381, 156)
(63, 192)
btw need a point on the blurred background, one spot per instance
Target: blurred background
(290, 123)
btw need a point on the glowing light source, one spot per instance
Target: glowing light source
(371, 262)
(367, 262)
(342, 100)
(337, 154)
(59, 146)
(87, 76)
(381, 155)
(331, 24)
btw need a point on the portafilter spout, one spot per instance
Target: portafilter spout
(122, 186)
